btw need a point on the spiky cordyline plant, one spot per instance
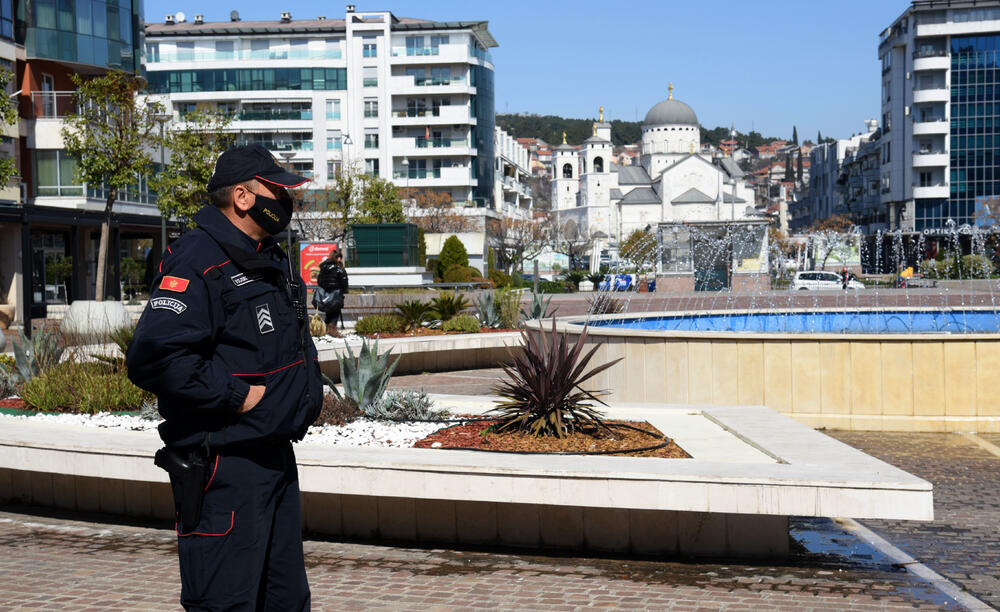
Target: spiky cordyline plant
(543, 394)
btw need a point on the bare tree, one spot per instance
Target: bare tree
(433, 211)
(572, 242)
(515, 240)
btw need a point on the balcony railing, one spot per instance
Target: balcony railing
(244, 54)
(414, 173)
(928, 119)
(432, 81)
(415, 51)
(52, 104)
(408, 112)
(274, 115)
(440, 143)
(278, 145)
(930, 53)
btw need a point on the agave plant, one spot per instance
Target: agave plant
(404, 404)
(447, 305)
(364, 378)
(35, 355)
(413, 313)
(487, 309)
(542, 394)
(539, 307)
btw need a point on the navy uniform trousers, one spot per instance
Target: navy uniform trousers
(246, 552)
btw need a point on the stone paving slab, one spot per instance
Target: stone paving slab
(65, 563)
(963, 542)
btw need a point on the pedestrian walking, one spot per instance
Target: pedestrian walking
(333, 286)
(224, 344)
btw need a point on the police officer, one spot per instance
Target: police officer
(224, 345)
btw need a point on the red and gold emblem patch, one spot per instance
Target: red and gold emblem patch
(172, 283)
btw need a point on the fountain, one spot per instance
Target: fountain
(924, 357)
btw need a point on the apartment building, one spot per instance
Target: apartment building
(940, 142)
(45, 214)
(409, 100)
(513, 168)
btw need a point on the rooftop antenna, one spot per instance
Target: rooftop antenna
(234, 15)
(180, 17)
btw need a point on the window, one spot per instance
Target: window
(334, 140)
(333, 167)
(567, 171)
(6, 19)
(925, 179)
(371, 139)
(437, 103)
(439, 76)
(247, 79)
(598, 164)
(224, 49)
(333, 109)
(371, 167)
(259, 49)
(414, 45)
(371, 108)
(369, 76)
(369, 48)
(416, 107)
(54, 174)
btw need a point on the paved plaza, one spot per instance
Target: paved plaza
(56, 561)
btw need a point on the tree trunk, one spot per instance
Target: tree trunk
(102, 249)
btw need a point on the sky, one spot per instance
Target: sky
(757, 65)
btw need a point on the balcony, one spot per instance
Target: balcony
(242, 55)
(454, 114)
(51, 104)
(932, 62)
(406, 84)
(929, 159)
(424, 147)
(931, 95)
(930, 191)
(274, 115)
(930, 125)
(440, 177)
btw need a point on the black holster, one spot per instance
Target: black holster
(188, 470)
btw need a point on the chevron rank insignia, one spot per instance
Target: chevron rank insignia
(264, 322)
(172, 283)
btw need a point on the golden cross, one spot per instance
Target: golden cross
(601, 119)
(671, 88)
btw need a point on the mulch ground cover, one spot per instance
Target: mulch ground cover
(477, 437)
(15, 404)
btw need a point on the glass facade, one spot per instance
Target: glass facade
(482, 107)
(7, 19)
(92, 32)
(975, 132)
(247, 79)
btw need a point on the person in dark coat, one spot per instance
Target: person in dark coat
(333, 279)
(224, 344)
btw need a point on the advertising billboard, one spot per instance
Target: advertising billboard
(311, 254)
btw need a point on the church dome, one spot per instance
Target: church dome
(670, 112)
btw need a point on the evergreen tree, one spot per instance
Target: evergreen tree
(795, 135)
(819, 137)
(789, 169)
(799, 178)
(453, 253)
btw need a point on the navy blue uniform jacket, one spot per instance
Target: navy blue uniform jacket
(220, 318)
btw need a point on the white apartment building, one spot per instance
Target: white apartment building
(940, 141)
(511, 192)
(409, 100)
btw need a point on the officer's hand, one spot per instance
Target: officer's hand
(256, 392)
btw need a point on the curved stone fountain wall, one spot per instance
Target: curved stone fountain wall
(887, 382)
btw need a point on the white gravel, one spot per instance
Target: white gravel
(363, 432)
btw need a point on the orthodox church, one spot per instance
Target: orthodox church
(674, 182)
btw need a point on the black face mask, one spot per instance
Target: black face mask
(271, 215)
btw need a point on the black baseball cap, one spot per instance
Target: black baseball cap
(251, 161)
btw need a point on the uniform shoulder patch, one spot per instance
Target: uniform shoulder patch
(168, 303)
(174, 283)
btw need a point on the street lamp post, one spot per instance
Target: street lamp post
(406, 176)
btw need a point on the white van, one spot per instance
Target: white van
(817, 279)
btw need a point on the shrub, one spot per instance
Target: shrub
(8, 382)
(364, 378)
(976, 266)
(38, 354)
(452, 254)
(379, 324)
(413, 313)
(317, 327)
(404, 405)
(542, 394)
(554, 287)
(8, 362)
(508, 306)
(458, 274)
(447, 305)
(338, 411)
(464, 323)
(432, 265)
(595, 279)
(499, 278)
(421, 247)
(88, 387)
(574, 277)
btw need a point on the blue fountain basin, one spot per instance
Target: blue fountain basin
(847, 322)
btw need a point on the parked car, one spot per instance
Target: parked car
(816, 279)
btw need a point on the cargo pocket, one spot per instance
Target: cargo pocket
(215, 523)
